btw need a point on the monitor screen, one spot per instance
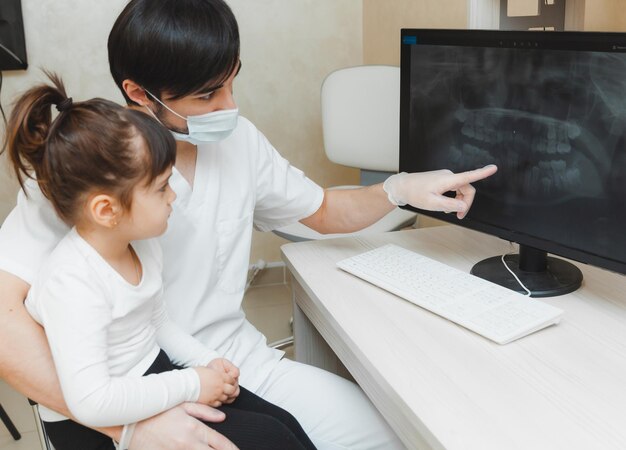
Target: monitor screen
(549, 109)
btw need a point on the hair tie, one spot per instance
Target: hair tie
(65, 105)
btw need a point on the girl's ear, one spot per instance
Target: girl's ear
(104, 210)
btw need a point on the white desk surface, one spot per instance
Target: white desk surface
(441, 386)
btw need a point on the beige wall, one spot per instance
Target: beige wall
(605, 15)
(288, 46)
(383, 19)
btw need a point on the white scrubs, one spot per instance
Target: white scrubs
(239, 182)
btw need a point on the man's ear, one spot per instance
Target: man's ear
(135, 92)
(105, 210)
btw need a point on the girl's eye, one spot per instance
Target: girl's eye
(207, 96)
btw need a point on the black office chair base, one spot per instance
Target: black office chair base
(6, 420)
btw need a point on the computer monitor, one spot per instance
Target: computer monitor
(12, 44)
(549, 108)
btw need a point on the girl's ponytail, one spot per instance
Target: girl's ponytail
(93, 145)
(29, 128)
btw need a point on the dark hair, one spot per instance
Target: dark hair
(90, 146)
(174, 46)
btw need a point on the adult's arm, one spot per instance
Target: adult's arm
(25, 360)
(26, 364)
(348, 210)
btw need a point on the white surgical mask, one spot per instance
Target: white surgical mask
(210, 127)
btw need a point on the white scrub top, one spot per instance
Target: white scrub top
(239, 182)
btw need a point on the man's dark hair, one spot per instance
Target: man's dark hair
(176, 46)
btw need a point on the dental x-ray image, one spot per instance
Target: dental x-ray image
(554, 121)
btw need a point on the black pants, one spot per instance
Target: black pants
(251, 424)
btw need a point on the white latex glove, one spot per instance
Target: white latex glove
(424, 190)
(179, 429)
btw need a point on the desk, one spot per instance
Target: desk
(441, 386)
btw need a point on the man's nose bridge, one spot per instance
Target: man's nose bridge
(227, 100)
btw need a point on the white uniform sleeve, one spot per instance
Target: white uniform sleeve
(29, 234)
(182, 348)
(284, 194)
(75, 315)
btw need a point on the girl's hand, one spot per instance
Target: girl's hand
(224, 365)
(216, 386)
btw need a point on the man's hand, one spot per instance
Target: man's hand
(180, 429)
(425, 190)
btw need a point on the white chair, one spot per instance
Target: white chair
(361, 127)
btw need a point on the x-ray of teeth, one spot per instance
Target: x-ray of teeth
(553, 121)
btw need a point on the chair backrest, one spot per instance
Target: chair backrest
(360, 117)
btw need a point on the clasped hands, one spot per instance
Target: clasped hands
(219, 383)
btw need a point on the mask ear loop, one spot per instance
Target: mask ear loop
(166, 107)
(154, 115)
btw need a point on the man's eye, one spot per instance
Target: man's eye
(207, 96)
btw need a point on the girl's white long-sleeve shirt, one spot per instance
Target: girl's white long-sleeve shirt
(105, 333)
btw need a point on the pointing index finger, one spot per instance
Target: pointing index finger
(472, 176)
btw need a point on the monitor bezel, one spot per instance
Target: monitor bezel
(567, 40)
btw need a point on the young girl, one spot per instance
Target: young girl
(105, 169)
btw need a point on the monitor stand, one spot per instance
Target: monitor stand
(543, 275)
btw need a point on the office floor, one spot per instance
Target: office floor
(267, 304)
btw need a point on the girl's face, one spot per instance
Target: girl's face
(151, 207)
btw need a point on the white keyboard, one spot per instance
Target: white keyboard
(488, 309)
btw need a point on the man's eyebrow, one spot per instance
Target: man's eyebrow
(211, 89)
